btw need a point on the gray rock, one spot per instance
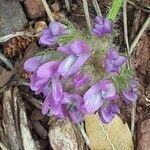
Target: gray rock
(12, 17)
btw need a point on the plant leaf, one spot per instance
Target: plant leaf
(113, 136)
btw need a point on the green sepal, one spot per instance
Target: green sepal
(52, 54)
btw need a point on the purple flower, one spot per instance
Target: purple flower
(114, 61)
(102, 26)
(80, 79)
(95, 96)
(33, 63)
(74, 105)
(78, 53)
(108, 111)
(46, 80)
(51, 34)
(130, 94)
(57, 109)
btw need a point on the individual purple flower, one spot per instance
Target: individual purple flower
(102, 27)
(33, 63)
(57, 109)
(74, 105)
(78, 52)
(46, 80)
(98, 93)
(51, 34)
(130, 94)
(80, 79)
(114, 61)
(108, 111)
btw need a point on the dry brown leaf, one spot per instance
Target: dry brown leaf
(8, 122)
(62, 136)
(27, 140)
(14, 130)
(4, 76)
(113, 136)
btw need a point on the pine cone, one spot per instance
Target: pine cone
(16, 46)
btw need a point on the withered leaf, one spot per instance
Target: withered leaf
(113, 136)
(5, 76)
(62, 135)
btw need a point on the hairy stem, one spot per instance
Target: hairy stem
(83, 133)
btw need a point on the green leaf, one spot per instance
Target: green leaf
(121, 81)
(52, 54)
(114, 10)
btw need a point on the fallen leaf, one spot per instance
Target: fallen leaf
(9, 123)
(113, 136)
(62, 136)
(4, 76)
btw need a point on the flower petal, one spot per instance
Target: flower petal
(76, 115)
(57, 28)
(79, 47)
(45, 106)
(108, 26)
(93, 99)
(99, 20)
(65, 49)
(129, 96)
(46, 31)
(32, 64)
(112, 53)
(120, 61)
(48, 69)
(92, 103)
(66, 64)
(57, 89)
(47, 40)
(80, 79)
(109, 92)
(108, 113)
(77, 64)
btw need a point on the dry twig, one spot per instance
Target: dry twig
(9, 36)
(86, 12)
(3, 147)
(139, 6)
(97, 8)
(67, 5)
(48, 11)
(145, 25)
(6, 61)
(125, 24)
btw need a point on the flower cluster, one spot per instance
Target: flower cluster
(51, 34)
(102, 27)
(49, 77)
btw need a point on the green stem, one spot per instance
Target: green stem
(114, 10)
